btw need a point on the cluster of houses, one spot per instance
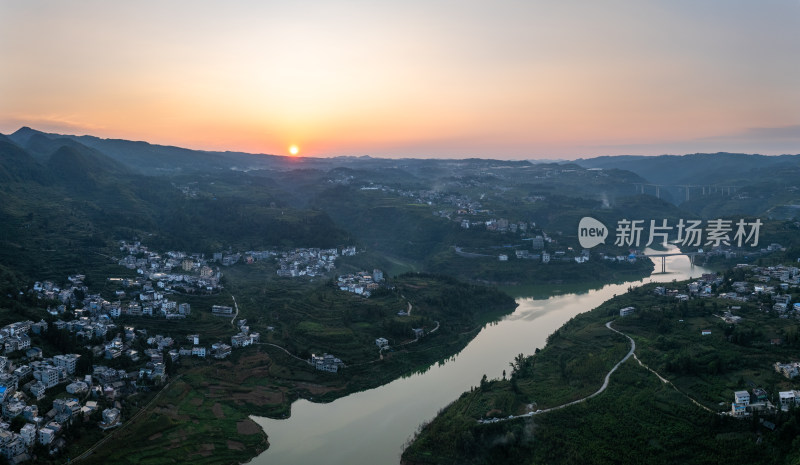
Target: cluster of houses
(244, 337)
(731, 253)
(744, 403)
(145, 300)
(789, 370)
(361, 283)
(459, 207)
(744, 291)
(204, 278)
(25, 378)
(549, 256)
(15, 336)
(702, 287)
(458, 203)
(630, 258)
(179, 271)
(784, 277)
(218, 349)
(310, 262)
(501, 225)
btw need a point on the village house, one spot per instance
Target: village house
(222, 310)
(220, 350)
(789, 398)
(789, 370)
(326, 362)
(740, 403)
(111, 418)
(626, 311)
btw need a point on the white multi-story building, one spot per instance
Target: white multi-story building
(741, 401)
(626, 311)
(28, 434)
(37, 390)
(787, 398)
(67, 361)
(46, 435)
(11, 444)
(47, 376)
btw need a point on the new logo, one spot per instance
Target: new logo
(591, 232)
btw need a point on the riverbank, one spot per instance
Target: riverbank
(534, 274)
(664, 407)
(205, 415)
(382, 420)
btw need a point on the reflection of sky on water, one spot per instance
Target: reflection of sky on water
(371, 426)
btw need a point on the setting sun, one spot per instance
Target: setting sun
(294, 150)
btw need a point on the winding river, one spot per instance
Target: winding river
(372, 426)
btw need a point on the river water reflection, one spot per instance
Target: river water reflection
(371, 427)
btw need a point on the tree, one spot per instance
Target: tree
(17, 423)
(84, 364)
(169, 365)
(519, 363)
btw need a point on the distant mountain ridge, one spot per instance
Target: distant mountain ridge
(141, 157)
(698, 168)
(153, 159)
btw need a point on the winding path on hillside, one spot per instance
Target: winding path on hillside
(584, 399)
(608, 375)
(281, 348)
(605, 385)
(237, 311)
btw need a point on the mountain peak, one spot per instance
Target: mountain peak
(22, 135)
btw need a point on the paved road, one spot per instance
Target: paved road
(605, 385)
(237, 311)
(608, 375)
(281, 348)
(598, 392)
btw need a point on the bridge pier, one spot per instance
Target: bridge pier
(663, 257)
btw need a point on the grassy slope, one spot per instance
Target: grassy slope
(203, 416)
(638, 419)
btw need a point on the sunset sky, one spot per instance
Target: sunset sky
(499, 79)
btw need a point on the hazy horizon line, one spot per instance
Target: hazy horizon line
(532, 158)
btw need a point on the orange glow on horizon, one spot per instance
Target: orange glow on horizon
(537, 81)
